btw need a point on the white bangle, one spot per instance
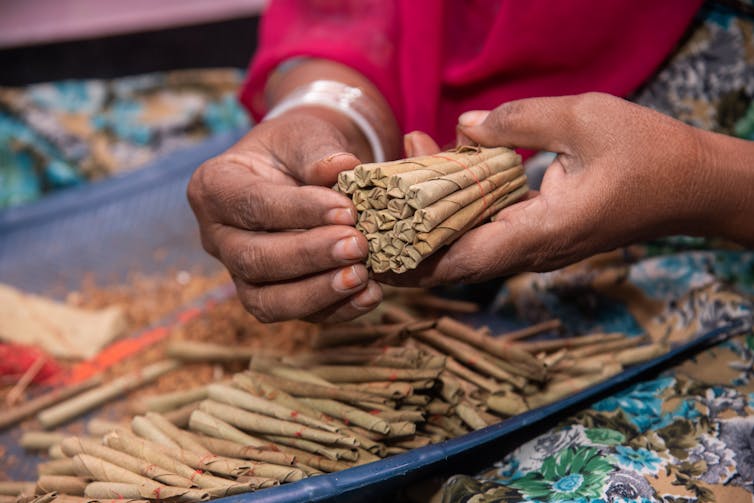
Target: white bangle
(348, 100)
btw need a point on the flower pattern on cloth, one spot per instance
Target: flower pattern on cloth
(61, 134)
(687, 435)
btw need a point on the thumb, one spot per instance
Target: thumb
(510, 244)
(417, 144)
(535, 123)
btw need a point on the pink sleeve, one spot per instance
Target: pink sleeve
(361, 34)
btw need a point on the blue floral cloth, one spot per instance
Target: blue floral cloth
(687, 435)
(62, 134)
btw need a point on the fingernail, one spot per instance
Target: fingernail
(336, 155)
(472, 118)
(349, 249)
(349, 278)
(341, 216)
(369, 297)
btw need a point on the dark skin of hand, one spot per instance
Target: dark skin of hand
(623, 174)
(265, 208)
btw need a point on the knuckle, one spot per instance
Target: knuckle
(255, 300)
(247, 261)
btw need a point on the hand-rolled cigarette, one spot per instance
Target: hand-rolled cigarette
(231, 449)
(174, 400)
(100, 427)
(467, 217)
(556, 390)
(160, 456)
(205, 423)
(442, 164)
(429, 217)
(608, 346)
(57, 467)
(320, 463)
(468, 355)
(258, 423)
(353, 374)
(451, 390)
(192, 351)
(349, 414)
(98, 469)
(61, 484)
(641, 354)
(29, 408)
(238, 398)
(180, 437)
(262, 385)
(575, 367)
(507, 404)
(470, 416)
(40, 440)
(77, 405)
(386, 389)
(313, 390)
(73, 445)
(147, 430)
(399, 208)
(127, 490)
(413, 416)
(180, 416)
(568, 342)
(534, 369)
(333, 453)
(523, 333)
(452, 426)
(438, 406)
(412, 443)
(423, 194)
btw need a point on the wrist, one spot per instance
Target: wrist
(730, 179)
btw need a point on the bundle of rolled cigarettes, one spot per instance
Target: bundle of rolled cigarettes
(363, 392)
(410, 208)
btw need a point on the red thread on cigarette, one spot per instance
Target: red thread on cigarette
(298, 434)
(294, 413)
(375, 411)
(196, 472)
(473, 175)
(393, 377)
(203, 460)
(346, 421)
(156, 492)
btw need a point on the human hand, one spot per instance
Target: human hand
(623, 173)
(266, 211)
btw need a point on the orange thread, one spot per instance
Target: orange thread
(473, 175)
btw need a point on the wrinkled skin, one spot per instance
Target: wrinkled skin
(623, 173)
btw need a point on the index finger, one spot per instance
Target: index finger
(236, 197)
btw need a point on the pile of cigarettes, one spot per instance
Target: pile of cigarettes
(410, 208)
(364, 391)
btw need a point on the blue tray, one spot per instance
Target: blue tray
(120, 225)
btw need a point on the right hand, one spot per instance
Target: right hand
(266, 211)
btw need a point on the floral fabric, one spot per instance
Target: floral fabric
(62, 134)
(688, 434)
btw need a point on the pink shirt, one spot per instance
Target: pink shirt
(434, 59)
